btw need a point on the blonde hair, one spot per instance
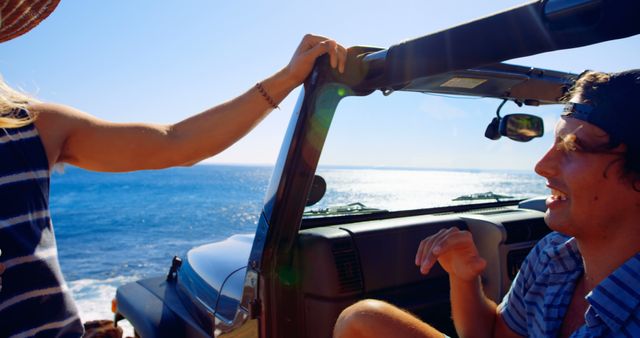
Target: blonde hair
(11, 102)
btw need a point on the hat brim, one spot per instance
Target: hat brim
(17, 17)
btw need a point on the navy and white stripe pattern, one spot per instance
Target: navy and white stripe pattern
(540, 295)
(34, 300)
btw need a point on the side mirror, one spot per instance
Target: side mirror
(521, 127)
(318, 188)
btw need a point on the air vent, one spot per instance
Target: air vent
(525, 230)
(514, 261)
(348, 265)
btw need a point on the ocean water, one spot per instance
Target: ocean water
(115, 228)
(112, 229)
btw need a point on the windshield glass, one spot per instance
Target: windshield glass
(412, 151)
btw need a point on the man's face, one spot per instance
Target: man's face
(587, 193)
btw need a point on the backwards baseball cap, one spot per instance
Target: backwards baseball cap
(20, 16)
(613, 107)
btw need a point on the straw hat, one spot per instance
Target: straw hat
(20, 16)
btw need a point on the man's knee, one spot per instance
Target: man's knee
(359, 319)
(373, 318)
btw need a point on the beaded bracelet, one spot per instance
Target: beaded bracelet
(266, 96)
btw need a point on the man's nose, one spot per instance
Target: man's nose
(547, 165)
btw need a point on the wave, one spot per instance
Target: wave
(93, 298)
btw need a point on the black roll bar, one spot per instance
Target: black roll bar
(530, 29)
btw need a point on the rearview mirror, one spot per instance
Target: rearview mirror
(521, 127)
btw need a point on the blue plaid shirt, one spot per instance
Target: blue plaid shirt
(540, 295)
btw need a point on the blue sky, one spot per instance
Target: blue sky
(161, 61)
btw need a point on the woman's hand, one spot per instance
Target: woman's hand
(310, 48)
(454, 250)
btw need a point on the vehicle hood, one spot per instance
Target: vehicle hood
(206, 272)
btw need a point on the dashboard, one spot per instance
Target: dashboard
(341, 264)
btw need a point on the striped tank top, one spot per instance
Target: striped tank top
(34, 299)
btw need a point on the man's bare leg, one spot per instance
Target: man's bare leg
(374, 318)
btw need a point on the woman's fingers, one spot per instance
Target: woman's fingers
(342, 58)
(310, 48)
(337, 53)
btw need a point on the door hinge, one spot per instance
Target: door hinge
(254, 308)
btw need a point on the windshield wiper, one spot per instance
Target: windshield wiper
(482, 196)
(356, 208)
